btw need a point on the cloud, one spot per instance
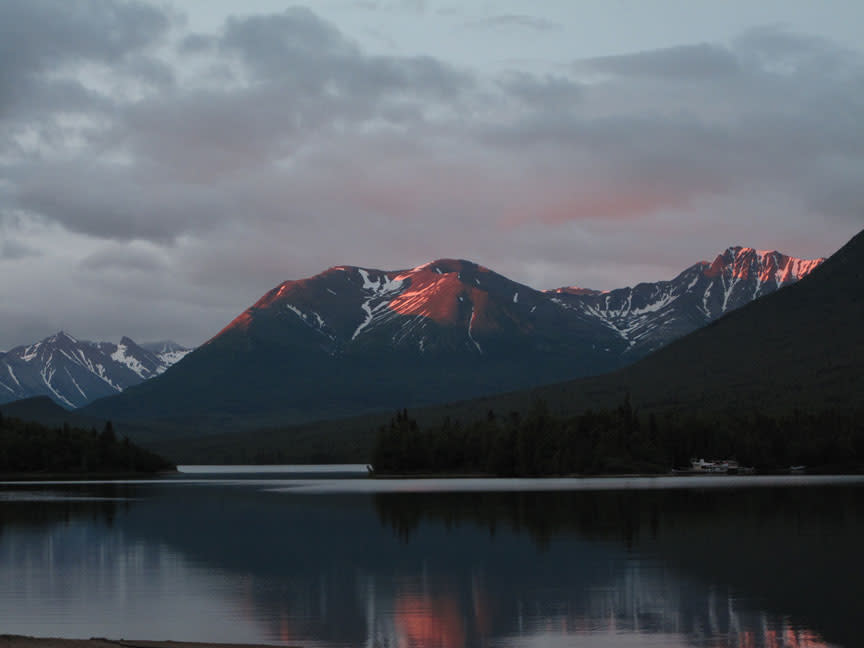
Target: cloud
(663, 129)
(37, 36)
(196, 171)
(307, 54)
(776, 50)
(408, 6)
(122, 258)
(181, 148)
(548, 93)
(688, 61)
(520, 21)
(12, 250)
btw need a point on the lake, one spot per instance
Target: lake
(325, 557)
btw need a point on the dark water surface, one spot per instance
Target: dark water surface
(319, 560)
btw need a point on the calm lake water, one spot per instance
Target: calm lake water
(316, 558)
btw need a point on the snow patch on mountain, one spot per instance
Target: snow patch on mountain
(121, 356)
(650, 315)
(74, 372)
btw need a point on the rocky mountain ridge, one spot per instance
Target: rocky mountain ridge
(352, 339)
(75, 372)
(650, 315)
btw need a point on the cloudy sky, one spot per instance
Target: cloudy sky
(163, 164)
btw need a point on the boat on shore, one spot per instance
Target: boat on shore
(714, 467)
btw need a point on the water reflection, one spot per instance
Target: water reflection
(719, 568)
(736, 569)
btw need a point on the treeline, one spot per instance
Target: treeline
(31, 447)
(619, 440)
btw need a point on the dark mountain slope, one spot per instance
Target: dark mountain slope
(650, 315)
(74, 372)
(802, 347)
(45, 411)
(38, 408)
(352, 339)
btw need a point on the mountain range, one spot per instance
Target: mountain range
(353, 340)
(801, 348)
(650, 315)
(75, 372)
(797, 351)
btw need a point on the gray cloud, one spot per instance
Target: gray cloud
(276, 147)
(548, 94)
(110, 202)
(521, 21)
(776, 50)
(306, 81)
(36, 36)
(412, 6)
(273, 45)
(12, 250)
(198, 44)
(687, 61)
(672, 126)
(306, 54)
(121, 259)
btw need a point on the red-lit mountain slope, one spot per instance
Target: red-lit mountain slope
(650, 315)
(355, 339)
(800, 348)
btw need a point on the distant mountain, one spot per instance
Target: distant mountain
(650, 315)
(800, 348)
(352, 340)
(74, 372)
(356, 339)
(46, 411)
(168, 352)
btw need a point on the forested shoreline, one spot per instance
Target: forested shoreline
(32, 448)
(618, 441)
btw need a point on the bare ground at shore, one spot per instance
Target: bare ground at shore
(16, 641)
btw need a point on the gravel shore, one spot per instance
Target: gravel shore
(15, 641)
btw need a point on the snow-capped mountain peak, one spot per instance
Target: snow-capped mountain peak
(356, 339)
(74, 372)
(449, 304)
(168, 352)
(649, 315)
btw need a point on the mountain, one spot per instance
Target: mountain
(650, 315)
(45, 411)
(353, 340)
(74, 372)
(799, 348)
(167, 351)
(41, 409)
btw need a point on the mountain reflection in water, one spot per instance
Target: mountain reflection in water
(230, 562)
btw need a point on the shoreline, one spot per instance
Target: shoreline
(77, 476)
(673, 473)
(22, 641)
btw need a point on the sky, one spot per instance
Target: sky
(163, 164)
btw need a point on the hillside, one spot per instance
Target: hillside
(28, 449)
(355, 340)
(75, 372)
(801, 347)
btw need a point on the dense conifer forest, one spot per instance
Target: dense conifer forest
(28, 447)
(618, 441)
